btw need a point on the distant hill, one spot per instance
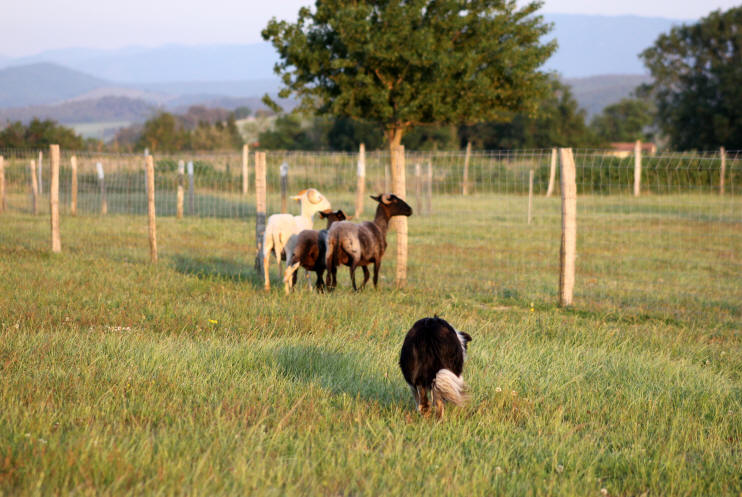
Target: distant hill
(168, 63)
(84, 111)
(596, 92)
(43, 83)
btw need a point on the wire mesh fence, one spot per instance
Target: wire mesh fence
(486, 214)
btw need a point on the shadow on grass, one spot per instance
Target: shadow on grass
(339, 372)
(216, 268)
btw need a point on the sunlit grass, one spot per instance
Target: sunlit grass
(119, 377)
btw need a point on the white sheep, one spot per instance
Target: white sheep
(281, 227)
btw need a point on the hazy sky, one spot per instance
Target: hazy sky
(31, 26)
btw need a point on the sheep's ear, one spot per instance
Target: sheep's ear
(314, 196)
(340, 214)
(465, 336)
(377, 198)
(322, 214)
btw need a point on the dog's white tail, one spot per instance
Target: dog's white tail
(450, 387)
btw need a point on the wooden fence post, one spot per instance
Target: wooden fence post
(552, 172)
(260, 208)
(387, 187)
(723, 172)
(284, 170)
(151, 208)
(102, 183)
(245, 173)
(568, 249)
(399, 188)
(3, 205)
(54, 198)
(146, 183)
(39, 183)
(465, 182)
(73, 186)
(181, 180)
(361, 180)
(191, 190)
(34, 188)
(637, 167)
(429, 192)
(418, 189)
(530, 195)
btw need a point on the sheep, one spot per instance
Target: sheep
(361, 244)
(280, 227)
(308, 251)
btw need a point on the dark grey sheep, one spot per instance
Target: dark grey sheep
(364, 243)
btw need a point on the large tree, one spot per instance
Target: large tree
(697, 71)
(404, 63)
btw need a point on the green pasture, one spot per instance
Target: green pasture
(119, 377)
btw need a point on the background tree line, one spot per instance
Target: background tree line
(694, 102)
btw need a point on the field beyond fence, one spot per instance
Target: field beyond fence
(119, 376)
(623, 240)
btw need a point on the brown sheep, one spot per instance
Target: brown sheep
(309, 250)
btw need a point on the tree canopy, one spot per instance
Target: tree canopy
(403, 63)
(624, 121)
(558, 122)
(39, 134)
(697, 71)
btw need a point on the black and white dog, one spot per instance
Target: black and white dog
(432, 359)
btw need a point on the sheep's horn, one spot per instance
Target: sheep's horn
(327, 211)
(386, 198)
(314, 196)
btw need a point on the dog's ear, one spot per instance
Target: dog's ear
(465, 336)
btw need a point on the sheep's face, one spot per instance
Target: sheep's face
(332, 217)
(312, 201)
(393, 205)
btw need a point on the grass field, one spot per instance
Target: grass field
(122, 378)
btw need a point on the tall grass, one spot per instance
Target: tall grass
(118, 377)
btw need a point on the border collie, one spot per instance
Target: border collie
(432, 359)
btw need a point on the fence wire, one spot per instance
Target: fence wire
(678, 241)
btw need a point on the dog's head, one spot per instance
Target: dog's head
(463, 337)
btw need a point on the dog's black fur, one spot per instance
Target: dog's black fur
(432, 346)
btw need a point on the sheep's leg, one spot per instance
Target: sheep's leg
(278, 251)
(423, 406)
(365, 276)
(320, 282)
(352, 271)
(377, 267)
(333, 276)
(267, 247)
(289, 277)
